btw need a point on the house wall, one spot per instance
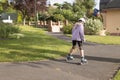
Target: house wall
(112, 20)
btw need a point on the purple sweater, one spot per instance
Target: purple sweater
(78, 32)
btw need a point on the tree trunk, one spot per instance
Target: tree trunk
(24, 21)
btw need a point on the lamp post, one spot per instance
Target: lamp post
(37, 2)
(35, 14)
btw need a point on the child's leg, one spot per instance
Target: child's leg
(83, 60)
(73, 47)
(71, 50)
(80, 48)
(82, 53)
(69, 56)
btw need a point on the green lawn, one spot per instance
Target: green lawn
(113, 40)
(103, 39)
(35, 45)
(117, 77)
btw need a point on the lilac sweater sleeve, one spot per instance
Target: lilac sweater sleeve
(81, 33)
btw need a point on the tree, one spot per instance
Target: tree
(43, 16)
(67, 6)
(3, 6)
(59, 17)
(68, 14)
(59, 6)
(27, 8)
(24, 7)
(72, 12)
(83, 7)
(89, 4)
(56, 14)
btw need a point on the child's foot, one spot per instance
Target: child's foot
(83, 61)
(69, 57)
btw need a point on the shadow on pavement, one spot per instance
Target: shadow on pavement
(103, 59)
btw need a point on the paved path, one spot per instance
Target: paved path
(104, 60)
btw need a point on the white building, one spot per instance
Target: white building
(8, 20)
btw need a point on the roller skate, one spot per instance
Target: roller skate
(83, 61)
(69, 57)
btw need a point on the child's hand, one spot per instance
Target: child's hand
(84, 40)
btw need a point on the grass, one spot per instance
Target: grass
(117, 77)
(113, 40)
(35, 45)
(103, 39)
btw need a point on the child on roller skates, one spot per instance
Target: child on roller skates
(78, 39)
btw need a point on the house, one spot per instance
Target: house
(8, 20)
(8, 17)
(110, 10)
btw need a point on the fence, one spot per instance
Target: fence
(50, 25)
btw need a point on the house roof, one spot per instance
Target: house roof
(12, 15)
(103, 4)
(104, 1)
(113, 4)
(107, 4)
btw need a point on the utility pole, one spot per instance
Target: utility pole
(35, 14)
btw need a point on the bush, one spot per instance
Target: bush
(92, 27)
(67, 29)
(16, 35)
(19, 18)
(7, 29)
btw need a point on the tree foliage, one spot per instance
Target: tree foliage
(72, 12)
(25, 7)
(43, 16)
(68, 14)
(3, 6)
(58, 17)
(28, 8)
(67, 6)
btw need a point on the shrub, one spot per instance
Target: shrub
(19, 18)
(67, 29)
(92, 27)
(7, 29)
(16, 35)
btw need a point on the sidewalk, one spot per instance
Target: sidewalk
(103, 61)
